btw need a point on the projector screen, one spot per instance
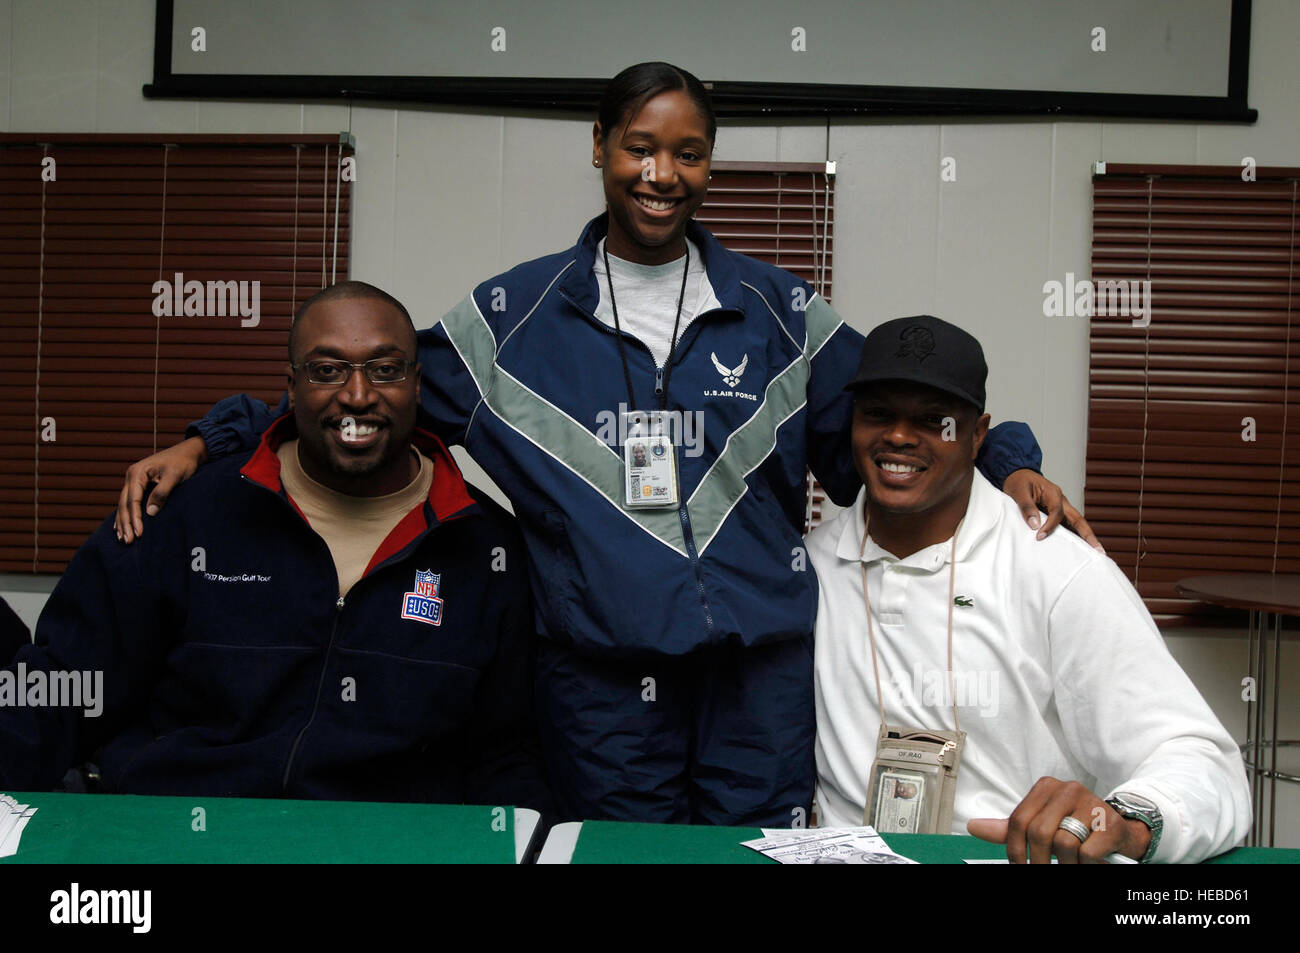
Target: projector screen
(1149, 58)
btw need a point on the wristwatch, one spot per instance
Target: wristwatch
(1133, 807)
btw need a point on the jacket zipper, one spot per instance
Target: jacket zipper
(687, 535)
(334, 625)
(320, 686)
(602, 326)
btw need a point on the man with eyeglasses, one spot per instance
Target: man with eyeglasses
(334, 615)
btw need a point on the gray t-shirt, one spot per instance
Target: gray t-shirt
(647, 298)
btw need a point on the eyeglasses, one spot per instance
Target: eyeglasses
(382, 370)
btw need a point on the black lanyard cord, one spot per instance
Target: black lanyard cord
(618, 331)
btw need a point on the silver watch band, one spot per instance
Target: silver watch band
(1137, 808)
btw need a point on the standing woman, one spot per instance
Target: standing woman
(674, 675)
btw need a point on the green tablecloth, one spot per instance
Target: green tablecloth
(604, 842)
(128, 829)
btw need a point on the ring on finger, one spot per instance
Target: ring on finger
(1075, 827)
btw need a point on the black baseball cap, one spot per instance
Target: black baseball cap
(925, 350)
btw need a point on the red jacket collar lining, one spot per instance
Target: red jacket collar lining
(448, 494)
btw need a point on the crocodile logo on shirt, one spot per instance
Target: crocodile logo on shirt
(963, 601)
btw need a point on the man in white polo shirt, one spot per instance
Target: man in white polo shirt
(1082, 736)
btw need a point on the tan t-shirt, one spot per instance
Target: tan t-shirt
(352, 526)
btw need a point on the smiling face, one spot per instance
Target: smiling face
(655, 166)
(355, 437)
(916, 480)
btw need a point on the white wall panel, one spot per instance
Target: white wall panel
(53, 57)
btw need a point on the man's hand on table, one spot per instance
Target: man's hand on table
(1033, 833)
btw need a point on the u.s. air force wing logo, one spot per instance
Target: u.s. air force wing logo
(424, 604)
(730, 377)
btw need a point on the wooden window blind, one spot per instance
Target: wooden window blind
(782, 213)
(1192, 427)
(86, 361)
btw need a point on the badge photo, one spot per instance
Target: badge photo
(649, 461)
(899, 800)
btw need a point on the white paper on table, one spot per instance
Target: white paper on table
(9, 846)
(9, 811)
(13, 818)
(867, 835)
(843, 845)
(779, 833)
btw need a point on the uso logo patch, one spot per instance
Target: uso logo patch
(424, 604)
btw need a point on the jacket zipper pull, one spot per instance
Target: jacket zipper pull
(659, 381)
(339, 605)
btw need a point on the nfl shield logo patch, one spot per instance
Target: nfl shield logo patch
(424, 604)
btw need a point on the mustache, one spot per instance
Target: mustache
(339, 421)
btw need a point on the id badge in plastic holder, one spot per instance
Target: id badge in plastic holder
(649, 461)
(914, 780)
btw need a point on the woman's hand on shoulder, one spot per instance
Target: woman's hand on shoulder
(167, 469)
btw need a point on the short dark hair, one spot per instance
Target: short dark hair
(635, 86)
(348, 289)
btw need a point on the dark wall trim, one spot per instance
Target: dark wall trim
(1239, 53)
(1262, 172)
(724, 165)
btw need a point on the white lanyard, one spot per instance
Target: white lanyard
(871, 634)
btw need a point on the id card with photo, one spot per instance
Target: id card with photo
(649, 461)
(899, 797)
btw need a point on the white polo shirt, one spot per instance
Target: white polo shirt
(1059, 671)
